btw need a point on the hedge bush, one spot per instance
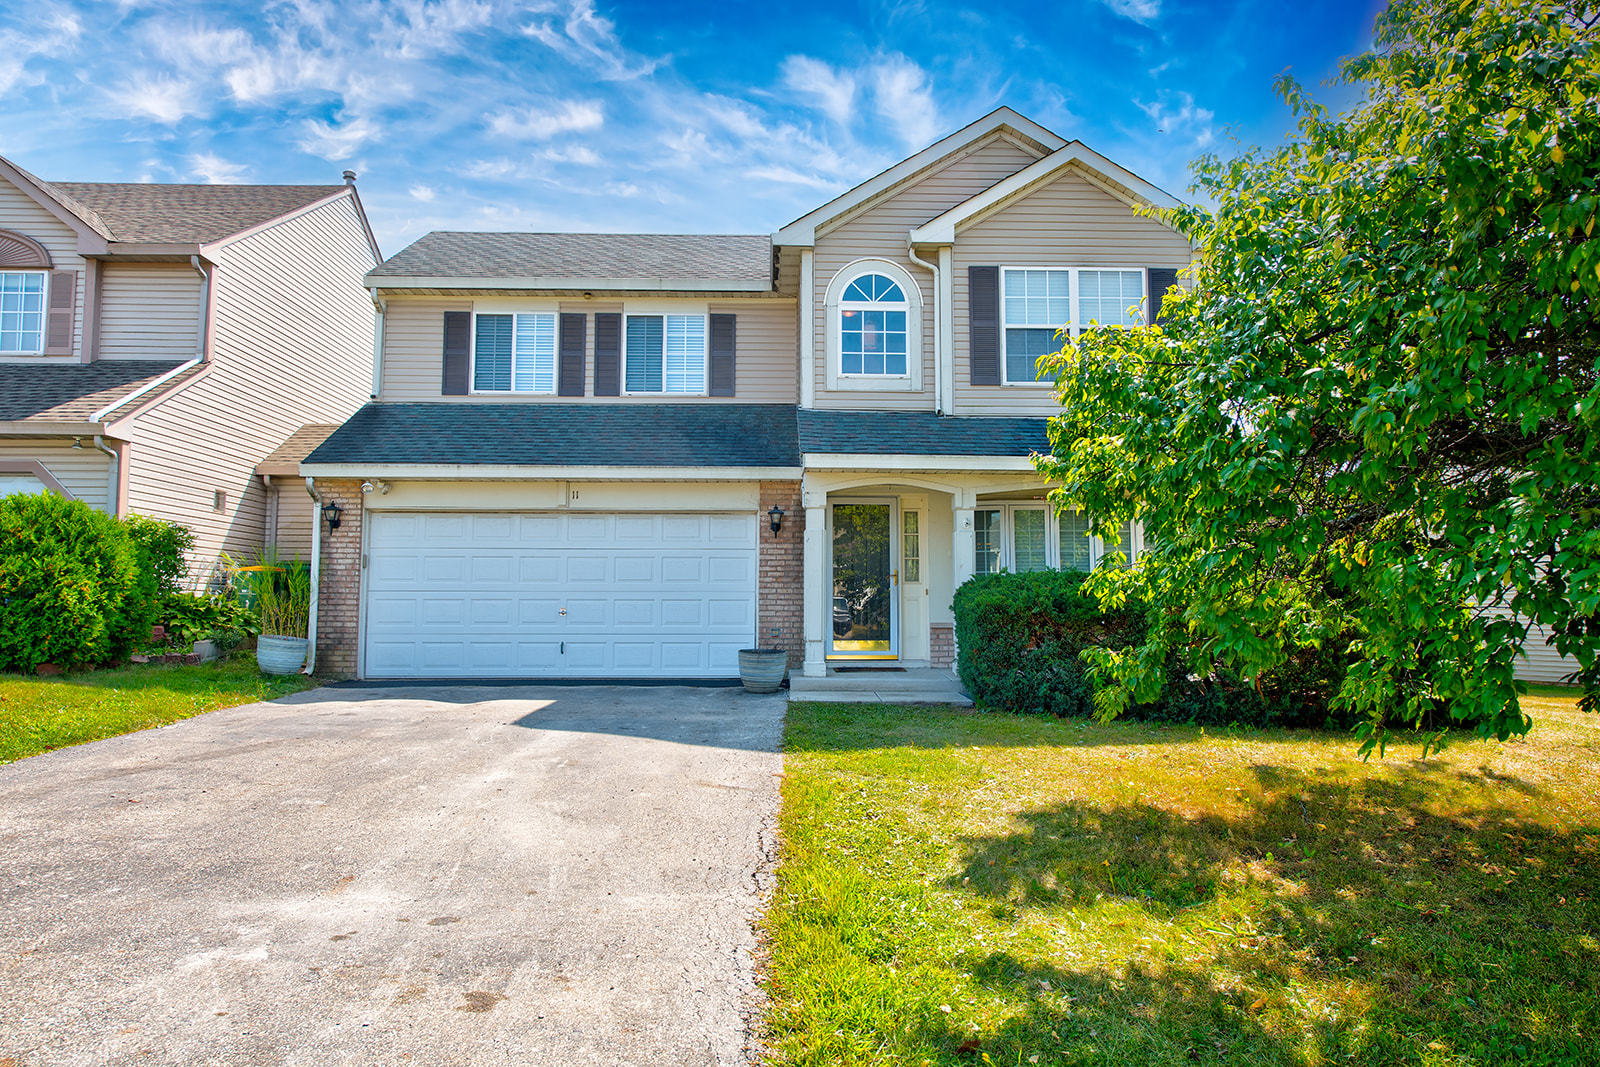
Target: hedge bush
(165, 546)
(1020, 636)
(76, 588)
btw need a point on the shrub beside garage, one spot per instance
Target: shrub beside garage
(1020, 638)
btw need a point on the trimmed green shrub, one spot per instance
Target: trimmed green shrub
(72, 587)
(1019, 636)
(190, 617)
(166, 546)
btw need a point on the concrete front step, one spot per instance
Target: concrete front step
(916, 685)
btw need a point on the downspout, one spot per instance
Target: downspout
(205, 307)
(316, 576)
(114, 482)
(379, 308)
(938, 341)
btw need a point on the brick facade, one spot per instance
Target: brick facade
(339, 592)
(781, 592)
(942, 645)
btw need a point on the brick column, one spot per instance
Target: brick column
(780, 594)
(339, 595)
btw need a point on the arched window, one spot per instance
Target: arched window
(873, 334)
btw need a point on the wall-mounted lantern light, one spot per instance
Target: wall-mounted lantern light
(332, 513)
(775, 519)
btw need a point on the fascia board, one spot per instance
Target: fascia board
(845, 461)
(649, 285)
(527, 472)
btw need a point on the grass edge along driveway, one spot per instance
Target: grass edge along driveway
(39, 714)
(961, 888)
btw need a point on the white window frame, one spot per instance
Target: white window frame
(512, 309)
(44, 311)
(911, 381)
(1072, 326)
(663, 312)
(1052, 545)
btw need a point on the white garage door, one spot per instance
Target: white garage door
(555, 594)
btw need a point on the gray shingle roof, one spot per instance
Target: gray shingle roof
(587, 434)
(739, 261)
(919, 433)
(183, 214)
(71, 392)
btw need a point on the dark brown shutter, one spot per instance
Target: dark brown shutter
(607, 354)
(722, 344)
(1161, 279)
(59, 318)
(457, 352)
(983, 323)
(570, 350)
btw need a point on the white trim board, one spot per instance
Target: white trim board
(523, 472)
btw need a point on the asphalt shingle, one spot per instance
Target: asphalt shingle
(733, 259)
(919, 433)
(186, 214)
(590, 434)
(71, 392)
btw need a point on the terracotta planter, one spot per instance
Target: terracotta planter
(276, 654)
(762, 669)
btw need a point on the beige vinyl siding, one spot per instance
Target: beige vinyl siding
(1539, 662)
(292, 344)
(880, 231)
(149, 311)
(765, 362)
(84, 472)
(1068, 223)
(20, 213)
(294, 513)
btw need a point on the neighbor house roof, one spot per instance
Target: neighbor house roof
(157, 213)
(77, 392)
(918, 433)
(284, 461)
(565, 435)
(450, 259)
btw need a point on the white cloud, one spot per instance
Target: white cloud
(542, 123)
(904, 98)
(833, 91)
(214, 170)
(1176, 115)
(165, 99)
(338, 142)
(791, 176)
(423, 193)
(590, 40)
(1145, 11)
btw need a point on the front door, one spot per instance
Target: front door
(866, 584)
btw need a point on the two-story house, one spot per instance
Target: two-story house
(159, 342)
(604, 455)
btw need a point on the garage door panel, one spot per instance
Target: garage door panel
(480, 595)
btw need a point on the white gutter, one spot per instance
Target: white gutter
(142, 390)
(527, 473)
(114, 486)
(379, 307)
(205, 306)
(938, 340)
(316, 577)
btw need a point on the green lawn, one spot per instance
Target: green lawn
(38, 714)
(963, 888)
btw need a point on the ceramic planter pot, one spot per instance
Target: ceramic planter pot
(762, 669)
(280, 655)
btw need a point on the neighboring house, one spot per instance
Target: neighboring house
(580, 444)
(159, 341)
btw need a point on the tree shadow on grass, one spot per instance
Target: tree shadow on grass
(1392, 920)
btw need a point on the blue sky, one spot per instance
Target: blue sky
(661, 116)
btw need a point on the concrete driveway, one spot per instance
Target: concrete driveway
(395, 876)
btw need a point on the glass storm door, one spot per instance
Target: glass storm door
(866, 607)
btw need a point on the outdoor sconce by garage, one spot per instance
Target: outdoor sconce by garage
(775, 519)
(332, 513)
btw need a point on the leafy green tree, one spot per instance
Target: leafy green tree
(1372, 424)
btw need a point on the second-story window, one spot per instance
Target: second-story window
(514, 353)
(665, 354)
(1041, 303)
(872, 328)
(22, 312)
